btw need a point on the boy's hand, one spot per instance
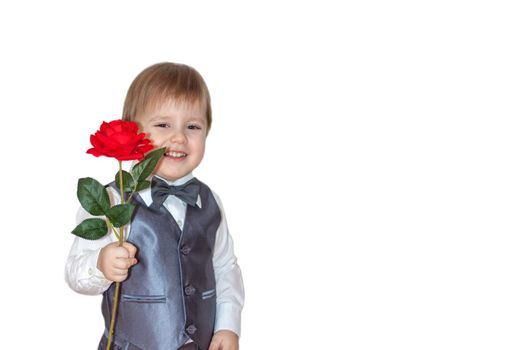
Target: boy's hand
(224, 340)
(114, 261)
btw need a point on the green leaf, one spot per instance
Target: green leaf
(128, 181)
(142, 185)
(120, 214)
(93, 196)
(144, 168)
(91, 229)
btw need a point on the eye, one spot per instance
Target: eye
(162, 125)
(194, 127)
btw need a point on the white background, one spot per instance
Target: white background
(366, 153)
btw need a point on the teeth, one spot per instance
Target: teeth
(176, 154)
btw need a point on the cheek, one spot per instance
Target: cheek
(156, 137)
(198, 146)
(197, 140)
(202, 144)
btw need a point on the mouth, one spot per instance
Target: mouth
(175, 155)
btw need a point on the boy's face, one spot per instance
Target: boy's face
(181, 128)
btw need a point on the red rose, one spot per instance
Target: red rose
(119, 139)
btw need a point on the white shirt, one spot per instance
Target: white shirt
(84, 277)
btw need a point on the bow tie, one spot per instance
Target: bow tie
(189, 192)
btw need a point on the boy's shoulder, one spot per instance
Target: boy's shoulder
(206, 187)
(211, 192)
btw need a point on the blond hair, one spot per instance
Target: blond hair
(163, 82)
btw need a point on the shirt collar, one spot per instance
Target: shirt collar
(146, 194)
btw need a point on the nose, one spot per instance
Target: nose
(177, 136)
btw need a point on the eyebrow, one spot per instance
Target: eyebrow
(196, 119)
(157, 117)
(165, 117)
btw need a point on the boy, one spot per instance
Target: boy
(183, 288)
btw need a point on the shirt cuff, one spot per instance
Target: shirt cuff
(95, 276)
(228, 318)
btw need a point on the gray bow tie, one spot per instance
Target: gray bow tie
(188, 192)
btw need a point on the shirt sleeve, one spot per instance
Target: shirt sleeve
(81, 272)
(229, 284)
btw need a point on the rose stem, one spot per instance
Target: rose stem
(121, 240)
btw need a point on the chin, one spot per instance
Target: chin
(172, 176)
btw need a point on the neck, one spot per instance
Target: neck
(179, 181)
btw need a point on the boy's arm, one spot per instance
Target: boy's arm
(229, 285)
(81, 272)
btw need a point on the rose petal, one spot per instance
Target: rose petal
(94, 152)
(120, 139)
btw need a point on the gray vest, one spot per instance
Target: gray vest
(169, 296)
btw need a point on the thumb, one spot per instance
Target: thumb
(131, 249)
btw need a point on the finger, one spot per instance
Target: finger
(121, 252)
(118, 271)
(214, 345)
(124, 263)
(116, 274)
(228, 345)
(119, 278)
(132, 250)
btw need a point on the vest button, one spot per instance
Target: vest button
(185, 250)
(189, 290)
(191, 329)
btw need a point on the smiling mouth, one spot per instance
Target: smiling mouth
(176, 155)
